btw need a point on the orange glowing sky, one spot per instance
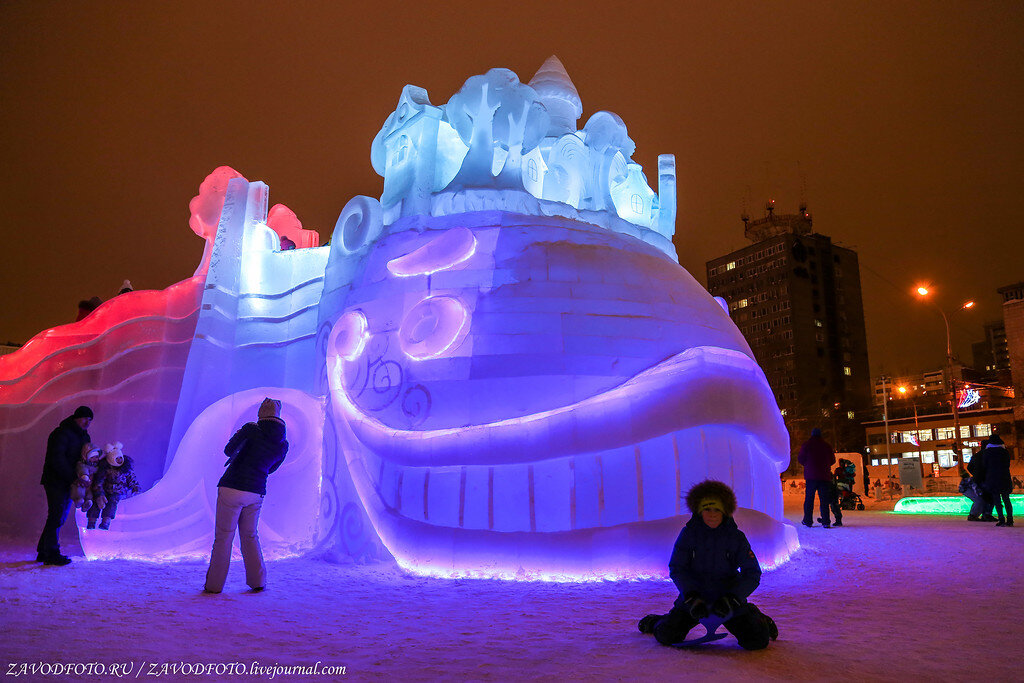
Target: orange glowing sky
(898, 122)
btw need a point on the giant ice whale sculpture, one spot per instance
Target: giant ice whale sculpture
(505, 369)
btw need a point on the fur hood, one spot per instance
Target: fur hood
(710, 488)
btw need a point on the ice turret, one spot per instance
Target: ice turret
(559, 96)
(503, 145)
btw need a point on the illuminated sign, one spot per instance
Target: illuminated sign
(968, 398)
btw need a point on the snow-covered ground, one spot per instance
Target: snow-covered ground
(886, 597)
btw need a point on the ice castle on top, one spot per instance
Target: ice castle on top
(502, 144)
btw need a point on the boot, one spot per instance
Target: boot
(773, 630)
(646, 624)
(105, 524)
(91, 524)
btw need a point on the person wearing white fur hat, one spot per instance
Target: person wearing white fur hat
(254, 452)
(114, 481)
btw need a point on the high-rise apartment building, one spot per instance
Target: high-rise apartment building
(1013, 331)
(796, 298)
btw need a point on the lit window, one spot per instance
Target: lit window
(928, 457)
(849, 414)
(818, 323)
(982, 430)
(731, 265)
(847, 371)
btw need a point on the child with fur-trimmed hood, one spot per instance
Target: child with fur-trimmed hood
(114, 481)
(715, 571)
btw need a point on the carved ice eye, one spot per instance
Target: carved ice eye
(433, 326)
(349, 335)
(451, 248)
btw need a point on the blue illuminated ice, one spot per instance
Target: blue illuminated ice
(497, 369)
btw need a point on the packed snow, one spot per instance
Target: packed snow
(885, 597)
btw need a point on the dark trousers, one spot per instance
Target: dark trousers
(977, 503)
(824, 489)
(750, 627)
(108, 511)
(58, 502)
(837, 511)
(1002, 500)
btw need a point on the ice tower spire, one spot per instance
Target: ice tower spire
(559, 96)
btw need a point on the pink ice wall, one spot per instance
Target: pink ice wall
(126, 360)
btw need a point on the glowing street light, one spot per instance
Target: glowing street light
(924, 292)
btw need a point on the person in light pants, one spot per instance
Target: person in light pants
(254, 452)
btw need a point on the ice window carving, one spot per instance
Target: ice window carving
(636, 203)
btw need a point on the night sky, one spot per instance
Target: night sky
(898, 123)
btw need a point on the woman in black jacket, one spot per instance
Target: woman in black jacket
(254, 451)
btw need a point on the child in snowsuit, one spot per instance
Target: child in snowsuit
(116, 480)
(715, 570)
(85, 471)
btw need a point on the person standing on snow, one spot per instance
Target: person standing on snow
(976, 468)
(998, 483)
(63, 449)
(254, 452)
(817, 457)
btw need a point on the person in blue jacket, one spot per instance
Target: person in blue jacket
(715, 571)
(254, 452)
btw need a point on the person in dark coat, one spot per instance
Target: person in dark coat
(976, 468)
(87, 306)
(63, 450)
(254, 452)
(715, 571)
(998, 483)
(817, 457)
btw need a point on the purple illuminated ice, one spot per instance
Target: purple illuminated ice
(498, 369)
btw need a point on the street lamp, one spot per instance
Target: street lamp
(923, 292)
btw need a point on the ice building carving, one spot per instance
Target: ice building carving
(498, 369)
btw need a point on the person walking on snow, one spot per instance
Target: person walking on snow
(817, 458)
(254, 452)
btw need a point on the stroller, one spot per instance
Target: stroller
(844, 477)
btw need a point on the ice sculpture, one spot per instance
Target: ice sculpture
(522, 379)
(498, 369)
